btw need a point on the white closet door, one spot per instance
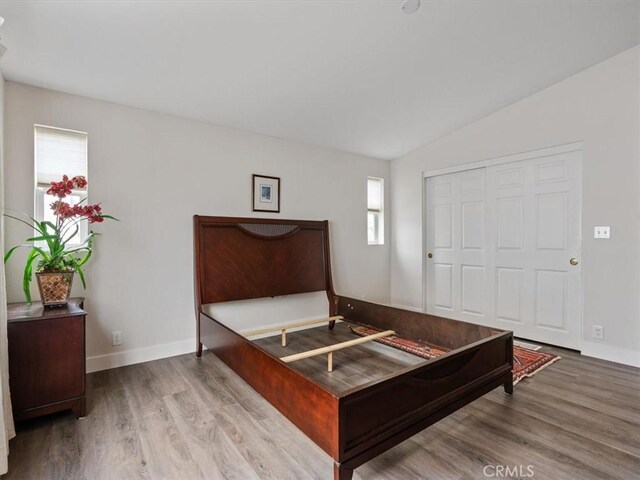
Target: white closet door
(502, 239)
(537, 219)
(459, 282)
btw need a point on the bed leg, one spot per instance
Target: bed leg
(508, 385)
(332, 324)
(341, 473)
(508, 378)
(199, 350)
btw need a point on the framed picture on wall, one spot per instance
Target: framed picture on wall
(266, 193)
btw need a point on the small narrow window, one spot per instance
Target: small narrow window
(58, 152)
(375, 211)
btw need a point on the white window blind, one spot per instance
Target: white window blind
(375, 207)
(59, 152)
(374, 194)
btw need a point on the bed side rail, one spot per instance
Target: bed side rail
(287, 390)
(443, 332)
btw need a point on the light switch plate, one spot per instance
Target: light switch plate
(601, 232)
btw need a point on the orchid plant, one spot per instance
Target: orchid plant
(58, 253)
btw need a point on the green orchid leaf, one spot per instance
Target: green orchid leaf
(81, 275)
(78, 249)
(52, 242)
(70, 224)
(86, 258)
(49, 224)
(28, 274)
(41, 238)
(22, 221)
(42, 252)
(75, 232)
(10, 252)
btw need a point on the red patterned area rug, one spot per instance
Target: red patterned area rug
(526, 362)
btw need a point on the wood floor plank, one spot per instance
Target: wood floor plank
(29, 448)
(144, 388)
(596, 455)
(166, 374)
(596, 397)
(109, 437)
(306, 453)
(162, 441)
(208, 443)
(65, 450)
(407, 461)
(492, 449)
(266, 457)
(448, 452)
(243, 394)
(198, 373)
(611, 430)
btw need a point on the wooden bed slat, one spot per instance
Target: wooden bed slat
(338, 346)
(289, 326)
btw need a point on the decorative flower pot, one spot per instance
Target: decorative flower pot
(55, 287)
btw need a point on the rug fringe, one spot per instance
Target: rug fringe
(528, 346)
(537, 370)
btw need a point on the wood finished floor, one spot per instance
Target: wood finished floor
(188, 418)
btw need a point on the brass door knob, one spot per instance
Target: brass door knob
(429, 255)
(573, 261)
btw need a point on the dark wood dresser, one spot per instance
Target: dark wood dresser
(47, 358)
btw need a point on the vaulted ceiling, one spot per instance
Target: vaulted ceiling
(360, 76)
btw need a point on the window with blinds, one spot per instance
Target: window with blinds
(375, 211)
(58, 152)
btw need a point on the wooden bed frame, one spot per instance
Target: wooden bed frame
(244, 258)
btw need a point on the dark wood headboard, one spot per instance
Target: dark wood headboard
(242, 258)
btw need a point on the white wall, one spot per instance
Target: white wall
(600, 107)
(154, 172)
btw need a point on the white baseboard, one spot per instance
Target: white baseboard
(165, 350)
(139, 355)
(602, 351)
(156, 352)
(406, 307)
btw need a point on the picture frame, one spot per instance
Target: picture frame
(265, 193)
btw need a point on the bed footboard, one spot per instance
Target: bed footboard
(378, 416)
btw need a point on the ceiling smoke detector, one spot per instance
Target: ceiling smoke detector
(410, 6)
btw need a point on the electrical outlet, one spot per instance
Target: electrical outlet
(116, 338)
(602, 232)
(598, 332)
